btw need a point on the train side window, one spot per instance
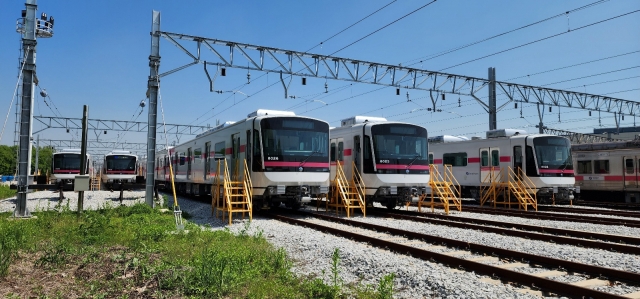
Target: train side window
(333, 151)
(585, 167)
(484, 158)
(182, 158)
(455, 159)
(495, 158)
(340, 151)
(601, 166)
(628, 165)
(219, 151)
(197, 153)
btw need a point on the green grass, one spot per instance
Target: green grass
(6, 192)
(126, 252)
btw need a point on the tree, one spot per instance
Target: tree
(9, 159)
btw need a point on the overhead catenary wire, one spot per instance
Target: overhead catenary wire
(541, 39)
(348, 27)
(500, 34)
(383, 27)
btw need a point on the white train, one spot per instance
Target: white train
(65, 165)
(608, 171)
(390, 156)
(287, 157)
(118, 168)
(545, 159)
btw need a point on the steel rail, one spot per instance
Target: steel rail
(505, 274)
(589, 211)
(555, 217)
(541, 236)
(611, 205)
(542, 229)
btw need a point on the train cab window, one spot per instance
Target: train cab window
(628, 166)
(495, 158)
(340, 151)
(455, 159)
(219, 151)
(601, 166)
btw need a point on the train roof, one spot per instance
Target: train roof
(606, 146)
(492, 134)
(260, 113)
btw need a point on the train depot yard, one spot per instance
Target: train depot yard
(371, 176)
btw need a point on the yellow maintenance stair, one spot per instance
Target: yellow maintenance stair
(508, 187)
(348, 194)
(444, 187)
(232, 193)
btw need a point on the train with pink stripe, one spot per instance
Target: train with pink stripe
(608, 171)
(390, 156)
(287, 156)
(65, 166)
(119, 167)
(545, 159)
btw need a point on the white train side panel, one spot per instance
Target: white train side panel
(545, 159)
(287, 157)
(608, 171)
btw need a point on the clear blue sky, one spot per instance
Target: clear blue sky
(98, 56)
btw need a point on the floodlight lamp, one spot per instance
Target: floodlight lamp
(24, 13)
(43, 16)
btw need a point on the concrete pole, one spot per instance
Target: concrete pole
(26, 112)
(83, 154)
(493, 123)
(153, 85)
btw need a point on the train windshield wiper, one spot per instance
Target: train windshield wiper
(414, 159)
(309, 156)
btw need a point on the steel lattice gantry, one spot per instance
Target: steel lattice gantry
(579, 138)
(113, 125)
(97, 144)
(221, 53)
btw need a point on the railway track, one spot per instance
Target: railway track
(568, 209)
(476, 256)
(623, 244)
(553, 217)
(610, 205)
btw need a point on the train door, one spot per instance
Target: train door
(189, 159)
(517, 159)
(207, 158)
(247, 150)
(235, 153)
(356, 153)
(489, 160)
(337, 146)
(630, 172)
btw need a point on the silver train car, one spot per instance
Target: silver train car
(118, 168)
(545, 159)
(608, 171)
(390, 156)
(65, 165)
(287, 157)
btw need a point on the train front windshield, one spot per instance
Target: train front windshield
(553, 153)
(400, 148)
(295, 144)
(66, 162)
(120, 163)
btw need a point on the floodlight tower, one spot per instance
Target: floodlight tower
(30, 28)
